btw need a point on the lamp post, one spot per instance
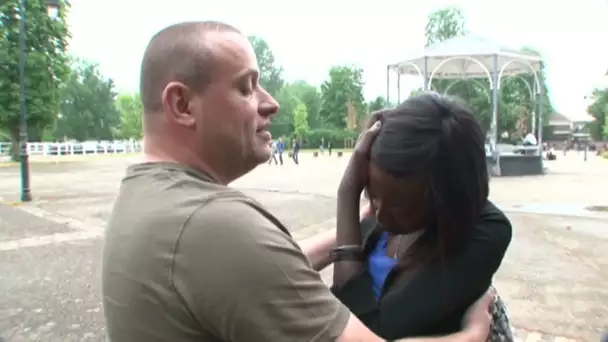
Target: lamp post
(26, 195)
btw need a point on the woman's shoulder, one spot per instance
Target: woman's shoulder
(491, 213)
(493, 225)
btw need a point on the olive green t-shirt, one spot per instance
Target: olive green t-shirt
(187, 259)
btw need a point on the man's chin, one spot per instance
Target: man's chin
(263, 156)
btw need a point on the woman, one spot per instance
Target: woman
(434, 241)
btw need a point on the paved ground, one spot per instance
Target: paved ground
(553, 277)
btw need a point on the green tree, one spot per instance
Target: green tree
(310, 96)
(271, 74)
(605, 130)
(300, 121)
(282, 124)
(377, 104)
(88, 110)
(599, 110)
(47, 66)
(444, 24)
(345, 85)
(130, 109)
(516, 102)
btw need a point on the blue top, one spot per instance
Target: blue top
(380, 265)
(280, 146)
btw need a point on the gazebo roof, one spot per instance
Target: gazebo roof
(468, 56)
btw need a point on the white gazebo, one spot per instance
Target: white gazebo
(475, 57)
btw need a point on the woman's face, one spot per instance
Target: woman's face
(399, 203)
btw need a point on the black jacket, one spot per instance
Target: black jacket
(434, 299)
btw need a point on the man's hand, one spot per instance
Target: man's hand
(479, 317)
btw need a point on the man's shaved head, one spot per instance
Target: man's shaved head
(203, 100)
(178, 53)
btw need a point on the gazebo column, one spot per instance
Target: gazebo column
(426, 73)
(398, 89)
(495, 86)
(533, 97)
(388, 84)
(494, 125)
(539, 106)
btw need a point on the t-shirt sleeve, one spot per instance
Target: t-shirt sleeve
(244, 279)
(437, 290)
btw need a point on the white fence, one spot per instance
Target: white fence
(76, 148)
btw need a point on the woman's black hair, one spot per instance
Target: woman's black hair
(438, 137)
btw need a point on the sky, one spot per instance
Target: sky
(309, 37)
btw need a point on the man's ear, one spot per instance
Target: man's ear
(176, 104)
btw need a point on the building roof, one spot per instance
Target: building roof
(559, 119)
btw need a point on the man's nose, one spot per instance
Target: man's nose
(268, 105)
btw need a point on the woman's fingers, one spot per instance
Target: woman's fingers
(366, 138)
(377, 116)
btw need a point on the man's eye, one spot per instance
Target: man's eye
(246, 89)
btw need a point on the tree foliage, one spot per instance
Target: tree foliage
(300, 121)
(88, 110)
(443, 24)
(377, 104)
(344, 86)
(282, 123)
(599, 110)
(310, 96)
(131, 111)
(271, 75)
(47, 65)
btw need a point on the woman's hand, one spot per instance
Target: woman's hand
(355, 177)
(348, 232)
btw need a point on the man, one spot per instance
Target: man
(187, 258)
(280, 149)
(273, 155)
(530, 140)
(322, 145)
(295, 154)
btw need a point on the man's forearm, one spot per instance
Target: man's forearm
(355, 331)
(317, 249)
(462, 336)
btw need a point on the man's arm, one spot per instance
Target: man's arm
(477, 326)
(317, 248)
(244, 279)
